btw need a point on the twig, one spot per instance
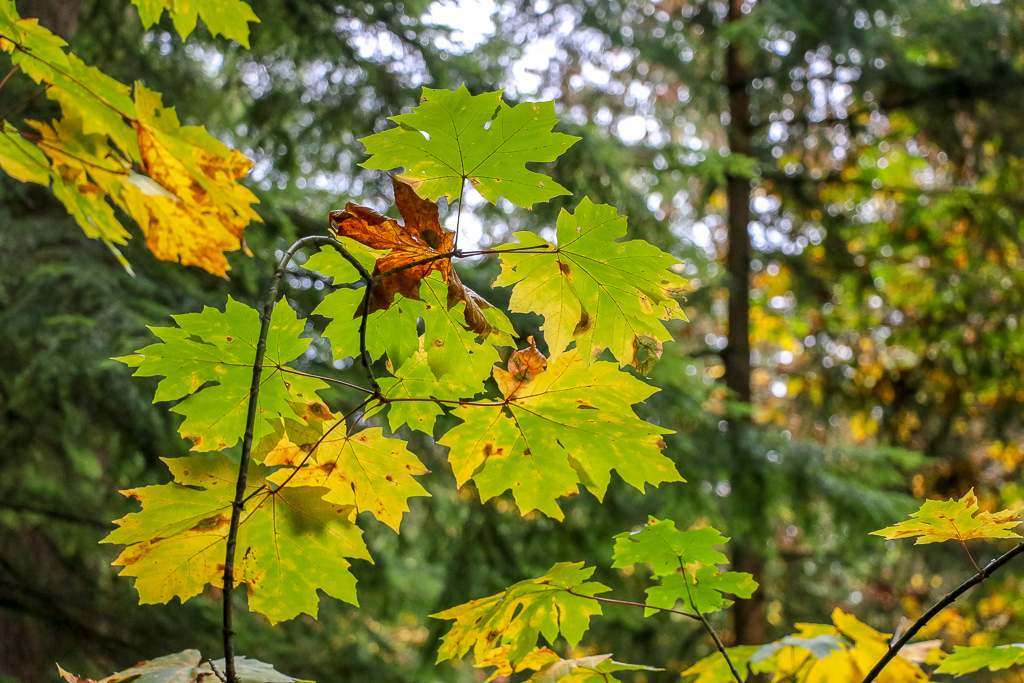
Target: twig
(707, 626)
(332, 380)
(421, 262)
(319, 441)
(21, 48)
(9, 74)
(483, 404)
(364, 352)
(632, 604)
(216, 671)
(458, 216)
(942, 604)
(513, 250)
(238, 504)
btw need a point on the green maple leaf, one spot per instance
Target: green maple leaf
(954, 520)
(668, 549)
(450, 345)
(515, 617)
(452, 137)
(413, 380)
(570, 425)
(966, 660)
(188, 667)
(291, 542)
(391, 331)
(414, 383)
(593, 289)
(215, 346)
(228, 18)
(714, 668)
(365, 470)
(701, 591)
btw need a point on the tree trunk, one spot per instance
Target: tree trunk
(60, 16)
(747, 480)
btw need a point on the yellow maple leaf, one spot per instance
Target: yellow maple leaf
(954, 520)
(202, 211)
(535, 660)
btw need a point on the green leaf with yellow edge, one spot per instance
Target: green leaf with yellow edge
(954, 520)
(208, 210)
(216, 346)
(291, 542)
(188, 666)
(84, 93)
(522, 612)
(965, 660)
(414, 380)
(593, 289)
(569, 425)
(454, 137)
(666, 548)
(714, 668)
(365, 470)
(228, 18)
(21, 159)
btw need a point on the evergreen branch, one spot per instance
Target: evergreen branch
(53, 514)
(942, 604)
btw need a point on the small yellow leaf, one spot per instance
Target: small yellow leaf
(954, 520)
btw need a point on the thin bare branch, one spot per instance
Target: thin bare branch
(9, 74)
(238, 504)
(331, 380)
(632, 604)
(707, 626)
(942, 604)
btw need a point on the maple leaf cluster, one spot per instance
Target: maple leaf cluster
(119, 147)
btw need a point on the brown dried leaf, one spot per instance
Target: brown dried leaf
(420, 238)
(523, 367)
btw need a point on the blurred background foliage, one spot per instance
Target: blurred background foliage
(885, 157)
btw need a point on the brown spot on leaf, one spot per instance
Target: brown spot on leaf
(646, 352)
(230, 339)
(565, 268)
(584, 325)
(211, 523)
